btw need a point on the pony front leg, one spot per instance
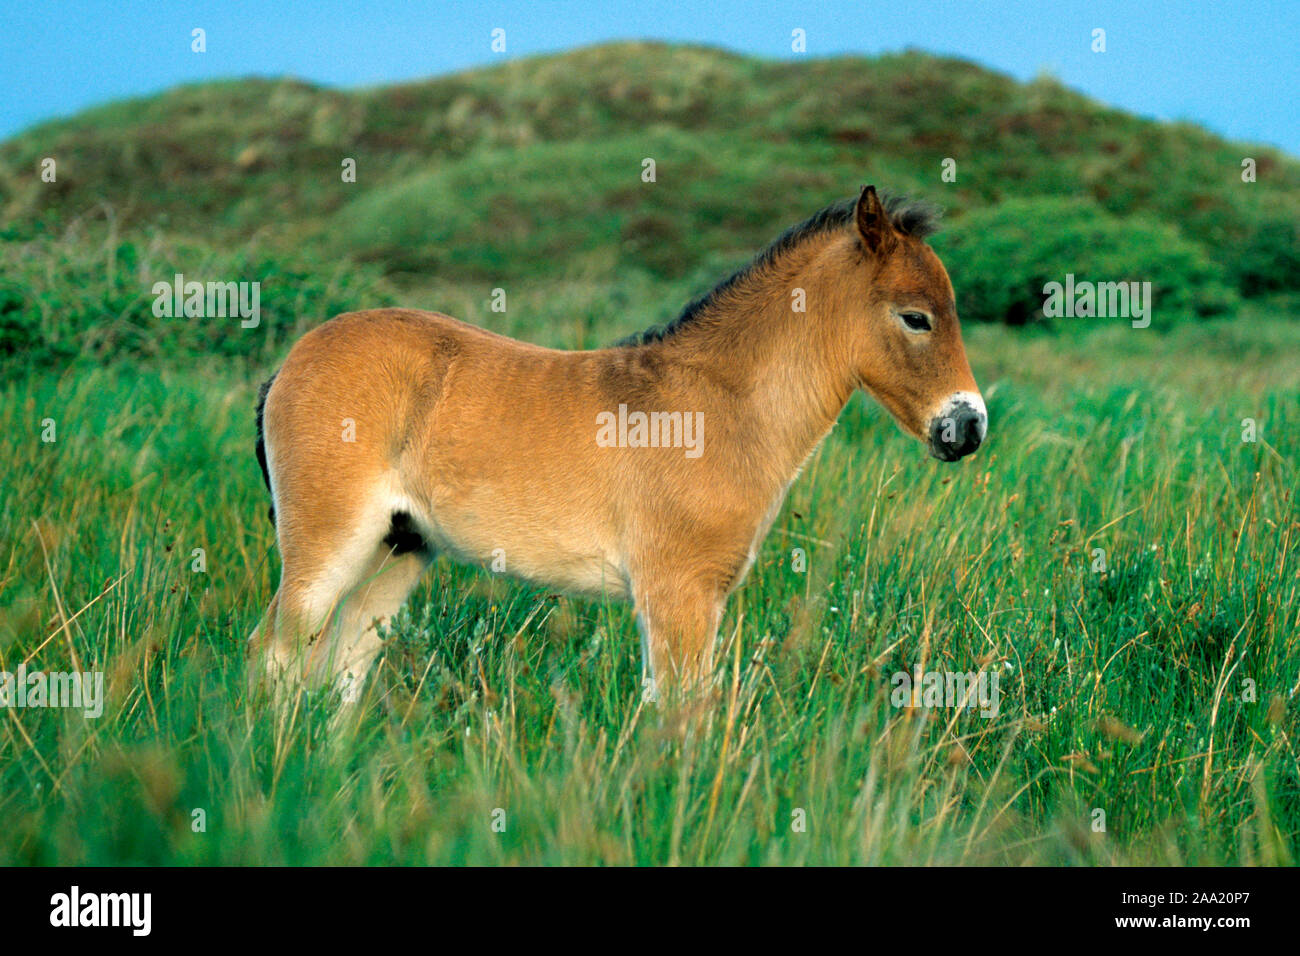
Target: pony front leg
(679, 626)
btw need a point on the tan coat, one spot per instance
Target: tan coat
(394, 435)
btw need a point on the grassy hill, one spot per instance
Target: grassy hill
(530, 172)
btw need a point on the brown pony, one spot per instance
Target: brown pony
(649, 471)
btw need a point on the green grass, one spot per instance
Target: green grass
(1121, 691)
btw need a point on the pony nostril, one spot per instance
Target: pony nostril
(958, 434)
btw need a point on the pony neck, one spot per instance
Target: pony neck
(791, 372)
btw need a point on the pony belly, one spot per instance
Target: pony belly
(585, 575)
(531, 551)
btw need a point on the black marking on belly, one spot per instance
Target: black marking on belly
(403, 537)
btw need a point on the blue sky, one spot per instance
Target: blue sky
(1231, 66)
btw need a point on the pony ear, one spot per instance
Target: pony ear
(874, 227)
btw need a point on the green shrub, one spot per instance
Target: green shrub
(92, 298)
(1001, 258)
(1268, 259)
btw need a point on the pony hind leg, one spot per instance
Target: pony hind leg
(338, 588)
(369, 609)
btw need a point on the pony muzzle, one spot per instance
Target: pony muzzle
(959, 427)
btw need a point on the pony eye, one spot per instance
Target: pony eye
(916, 321)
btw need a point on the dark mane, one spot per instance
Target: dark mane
(910, 217)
